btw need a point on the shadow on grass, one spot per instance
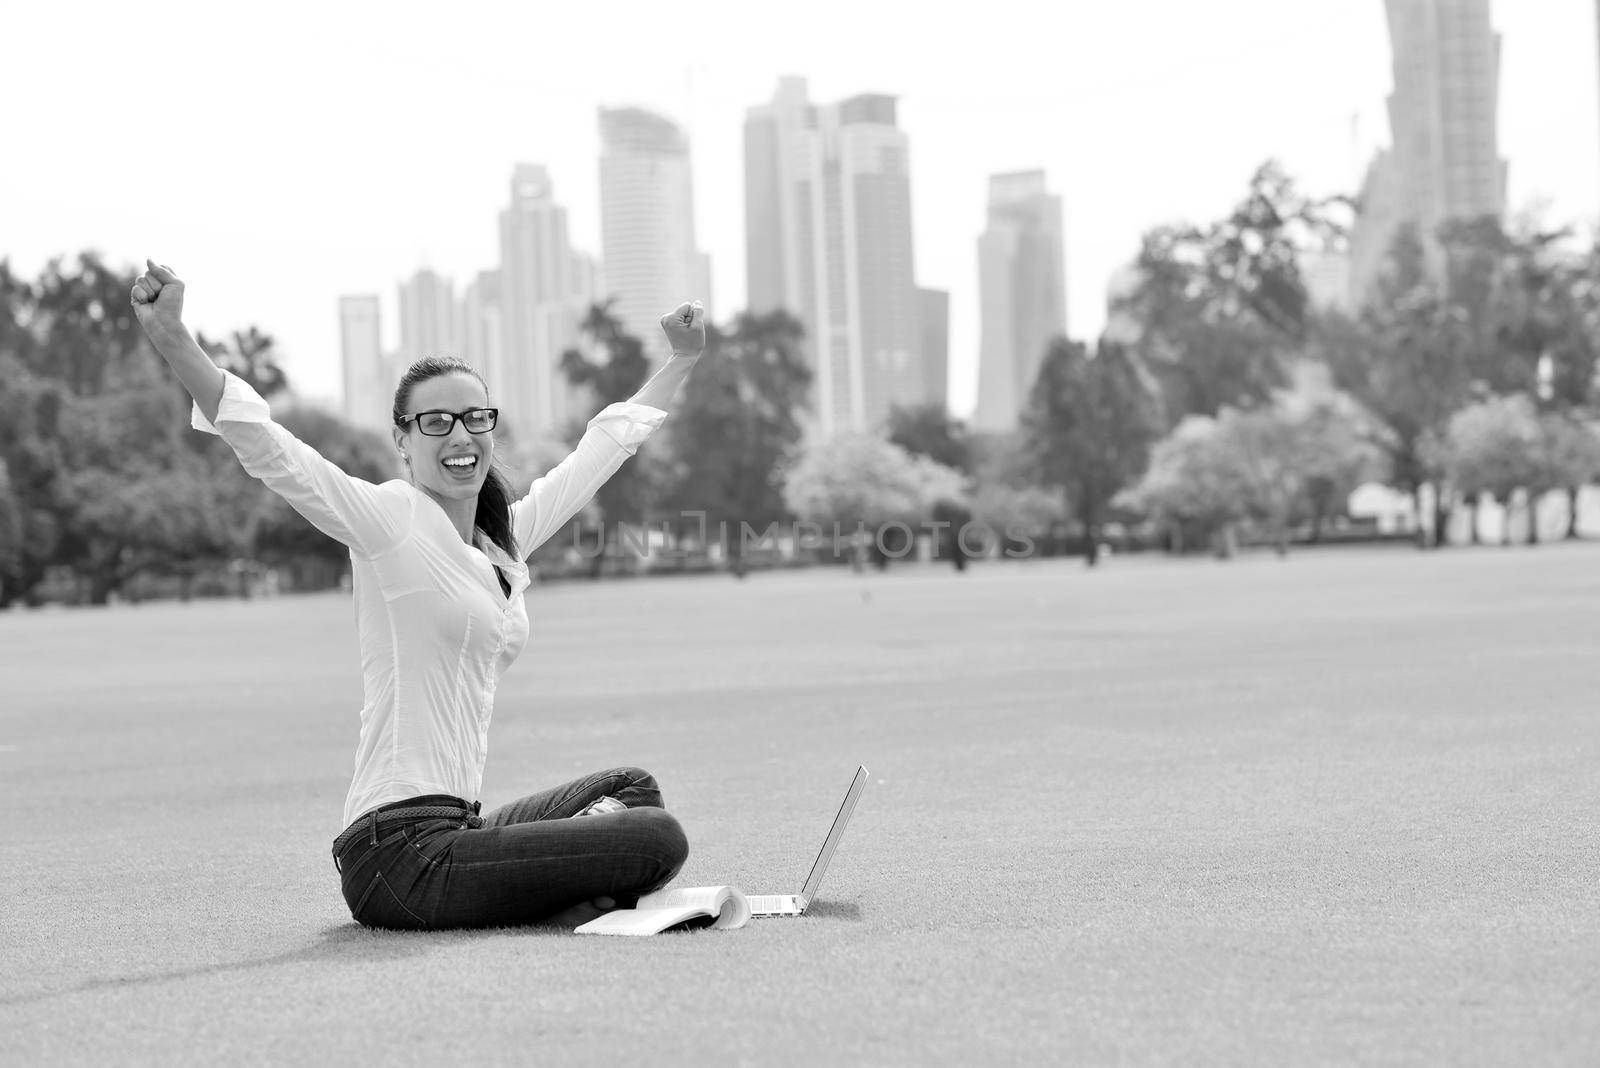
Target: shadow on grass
(341, 943)
(835, 910)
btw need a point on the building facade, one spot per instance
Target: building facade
(543, 288)
(651, 262)
(427, 317)
(933, 324)
(1022, 294)
(368, 383)
(828, 203)
(1444, 161)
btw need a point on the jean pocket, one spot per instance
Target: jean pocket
(381, 906)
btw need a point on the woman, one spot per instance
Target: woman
(438, 563)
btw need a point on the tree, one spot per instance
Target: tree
(1407, 358)
(1266, 447)
(858, 479)
(1572, 455)
(1334, 459)
(1193, 481)
(10, 529)
(105, 477)
(1217, 307)
(1089, 423)
(1494, 447)
(616, 378)
(252, 356)
(31, 447)
(1018, 511)
(737, 426)
(929, 430)
(134, 498)
(82, 325)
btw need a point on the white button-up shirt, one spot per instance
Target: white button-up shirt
(435, 629)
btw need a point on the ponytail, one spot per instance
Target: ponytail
(494, 511)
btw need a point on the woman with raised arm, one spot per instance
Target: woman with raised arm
(439, 576)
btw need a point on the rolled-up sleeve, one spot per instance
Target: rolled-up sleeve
(612, 436)
(366, 517)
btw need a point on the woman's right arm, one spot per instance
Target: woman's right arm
(365, 517)
(158, 303)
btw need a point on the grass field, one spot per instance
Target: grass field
(1335, 808)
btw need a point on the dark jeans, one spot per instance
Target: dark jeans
(528, 861)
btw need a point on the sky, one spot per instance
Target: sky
(280, 156)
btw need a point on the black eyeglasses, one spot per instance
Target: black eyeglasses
(436, 424)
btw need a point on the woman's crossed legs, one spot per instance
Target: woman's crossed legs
(529, 862)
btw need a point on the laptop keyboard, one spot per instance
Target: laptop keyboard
(772, 903)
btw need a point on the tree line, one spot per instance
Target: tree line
(1224, 400)
(1221, 402)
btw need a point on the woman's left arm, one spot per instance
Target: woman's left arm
(612, 436)
(685, 327)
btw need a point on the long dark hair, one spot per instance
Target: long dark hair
(494, 499)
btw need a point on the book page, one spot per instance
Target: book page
(662, 909)
(709, 898)
(726, 903)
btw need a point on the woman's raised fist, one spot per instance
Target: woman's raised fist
(685, 327)
(158, 300)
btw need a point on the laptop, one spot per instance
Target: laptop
(767, 905)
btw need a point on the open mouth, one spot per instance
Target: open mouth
(462, 467)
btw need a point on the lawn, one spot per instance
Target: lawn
(1340, 807)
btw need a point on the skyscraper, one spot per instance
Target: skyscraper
(427, 317)
(647, 222)
(483, 332)
(933, 325)
(1444, 161)
(368, 391)
(1022, 293)
(776, 222)
(543, 287)
(828, 191)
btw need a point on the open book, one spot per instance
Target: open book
(693, 906)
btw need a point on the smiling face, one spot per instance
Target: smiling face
(452, 467)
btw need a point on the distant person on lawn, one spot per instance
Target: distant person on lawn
(439, 570)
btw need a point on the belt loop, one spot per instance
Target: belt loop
(374, 828)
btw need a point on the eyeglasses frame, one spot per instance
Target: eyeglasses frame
(455, 417)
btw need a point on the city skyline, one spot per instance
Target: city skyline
(1144, 115)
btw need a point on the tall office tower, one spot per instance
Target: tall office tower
(427, 317)
(368, 391)
(542, 290)
(647, 223)
(829, 190)
(1444, 162)
(933, 327)
(1022, 294)
(776, 221)
(483, 332)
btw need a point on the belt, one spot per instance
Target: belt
(428, 807)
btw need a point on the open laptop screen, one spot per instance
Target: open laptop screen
(836, 832)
